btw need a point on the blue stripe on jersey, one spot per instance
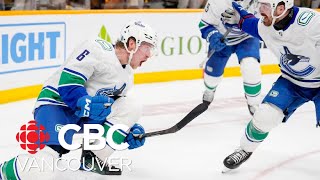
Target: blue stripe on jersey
(301, 80)
(71, 94)
(75, 72)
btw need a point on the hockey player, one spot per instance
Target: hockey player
(242, 44)
(293, 35)
(91, 88)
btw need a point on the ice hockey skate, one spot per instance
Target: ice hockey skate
(235, 159)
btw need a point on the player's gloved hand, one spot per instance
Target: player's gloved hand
(132, 138)
(240, 15)
(96, 107)
(216, 41)
(230, 18)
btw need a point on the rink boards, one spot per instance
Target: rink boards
(33, 44)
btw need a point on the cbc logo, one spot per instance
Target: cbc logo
(31, 137)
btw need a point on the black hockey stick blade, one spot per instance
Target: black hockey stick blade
(195, 112)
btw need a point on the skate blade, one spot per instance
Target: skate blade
(225, 170)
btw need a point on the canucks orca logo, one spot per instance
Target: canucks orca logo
(111, 91)
(288, 60)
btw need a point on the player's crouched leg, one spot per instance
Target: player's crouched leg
(27, 166)
(265, 118)
(125, 111)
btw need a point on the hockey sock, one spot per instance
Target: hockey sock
(210, 87)
(253, 134)
(211, 82)
(8, 170)
(118, 136)
(252, 90)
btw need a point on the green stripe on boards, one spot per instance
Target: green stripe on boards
(67, 78)
(254, 133)
(252, 90)
(117, 137)
(8, 170)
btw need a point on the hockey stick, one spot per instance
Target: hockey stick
(195, 112)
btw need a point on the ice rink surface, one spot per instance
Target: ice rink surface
(291, 151)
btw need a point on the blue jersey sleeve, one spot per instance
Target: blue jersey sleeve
(206, 29)
(250, 26)
(71, 87)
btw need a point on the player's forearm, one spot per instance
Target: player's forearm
(71, 87)
(71, 94)
(206, 29)
(250, 26)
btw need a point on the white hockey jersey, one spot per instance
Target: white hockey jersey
(212, 16)
(93, 65)
(297, 48)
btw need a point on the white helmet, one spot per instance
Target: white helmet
(141, 32)
(274, 3)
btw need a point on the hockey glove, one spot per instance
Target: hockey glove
(215, 38)
(238, 16)
(96, 107)
(230, 18)
(132, 138)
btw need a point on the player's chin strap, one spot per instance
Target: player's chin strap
(276, 17)
(130, 56)
(131, 52)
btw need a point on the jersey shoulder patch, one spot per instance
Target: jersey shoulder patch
(104, 44)
(305, 17)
